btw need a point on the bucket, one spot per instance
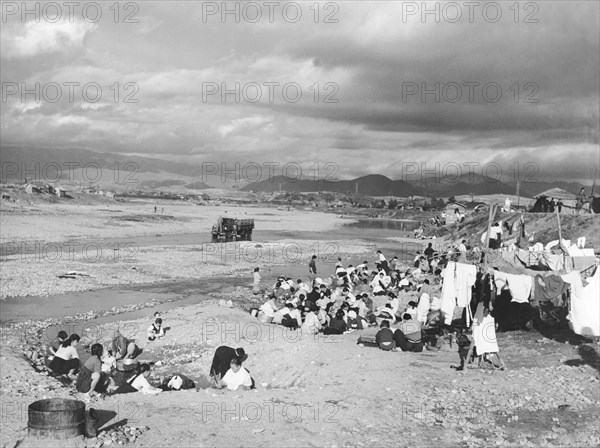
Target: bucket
(56, 418)
(264, 318)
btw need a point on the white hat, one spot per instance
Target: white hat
(352, 314)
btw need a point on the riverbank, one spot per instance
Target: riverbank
(325, 391)
(329, 391)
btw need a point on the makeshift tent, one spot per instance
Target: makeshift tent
(557, 193)
(569, 200)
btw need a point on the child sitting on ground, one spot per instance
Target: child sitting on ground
(109, 362)
(385, 337)
(156, 330)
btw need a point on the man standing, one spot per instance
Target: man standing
(429, 251)
(581, 197)
(312, 269)
(383, 262)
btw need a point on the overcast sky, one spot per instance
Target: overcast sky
(373, 63)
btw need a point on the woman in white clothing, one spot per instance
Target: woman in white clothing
(66, 358)
(139, 383)
(236, 377)
(311, 323)
(423, 308)
(269, 307)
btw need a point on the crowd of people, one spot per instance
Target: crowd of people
(100, 374)
(97, 375)
(352, 298)
(346, 301)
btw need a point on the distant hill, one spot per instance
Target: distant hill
(370, 185)
(197, 186)
(161, 183)
(154, 173)
(378, 185)
(465, 184)
(41, 164)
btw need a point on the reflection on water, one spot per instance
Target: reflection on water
(389, 224)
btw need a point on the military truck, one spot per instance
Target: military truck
(232, 229)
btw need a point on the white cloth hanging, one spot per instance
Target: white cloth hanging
(448, 292)
(466, 274)
(456, 291)
(584, 310)
(519, 285)
(484, 332)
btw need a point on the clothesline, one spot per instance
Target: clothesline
(459, 278)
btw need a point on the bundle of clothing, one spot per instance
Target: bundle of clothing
(177, 381)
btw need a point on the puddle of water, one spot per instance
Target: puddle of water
(60, 305)
(385, 224)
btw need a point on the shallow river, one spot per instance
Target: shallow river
(188, 292)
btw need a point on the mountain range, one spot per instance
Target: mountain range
(122, 172)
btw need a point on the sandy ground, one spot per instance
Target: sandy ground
(46, 222)
(329, 391)
(311, 391)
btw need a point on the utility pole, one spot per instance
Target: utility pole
(518, 191)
